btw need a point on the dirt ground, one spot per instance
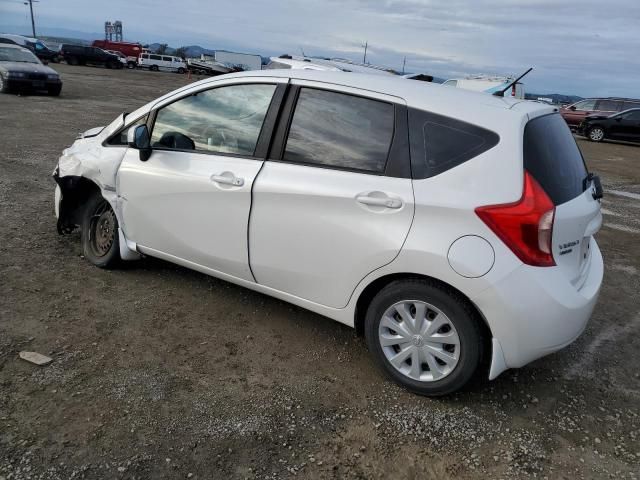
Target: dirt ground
(161, 372)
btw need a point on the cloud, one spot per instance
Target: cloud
(575, 46)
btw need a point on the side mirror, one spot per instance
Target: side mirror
(572, 107)
(138, 138)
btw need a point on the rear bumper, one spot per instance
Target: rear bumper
(535, 311)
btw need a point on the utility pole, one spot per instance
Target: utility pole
(33, 23)
(404, 61)
(364, 60)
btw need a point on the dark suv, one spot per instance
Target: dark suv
(576, 113)
(81, 55)
(620, 126)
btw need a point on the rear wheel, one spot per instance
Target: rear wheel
(153, 68)
(99, 233)
(181, 70)
(423, 336)
(596, 134)
(73, 61)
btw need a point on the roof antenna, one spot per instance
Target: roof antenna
(500, 93)
(302, 51)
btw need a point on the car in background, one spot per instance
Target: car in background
(81, 55)
(340, 193)
(36, 46)
(21, 70)
(121, 56)
(575, 113)
(488, 84)
(619, 126)
(156, 62)
(130, 50)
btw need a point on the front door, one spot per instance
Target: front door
(327, 208)
(191, 199)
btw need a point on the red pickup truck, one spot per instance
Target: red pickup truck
(131, 50)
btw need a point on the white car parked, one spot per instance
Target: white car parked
(447, 226)
(156, 62)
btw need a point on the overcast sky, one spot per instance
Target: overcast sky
(582, 47)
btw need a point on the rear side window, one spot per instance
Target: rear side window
(628, 105)
(607, 106)
(553, 158)
(155, 57)
(340, 130)
(440, 143)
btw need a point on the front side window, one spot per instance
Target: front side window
(166, 59)
(339, 130)
(634, 116)
(222, 120)
(155, 57)
(586, 105)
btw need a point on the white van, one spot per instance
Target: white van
(155, 62)
(488, 84)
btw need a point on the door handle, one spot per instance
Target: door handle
(386, 202)
(228, 178)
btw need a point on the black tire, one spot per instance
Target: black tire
(153, 68)
(99, 233)
(54, 91)
(596, 134)
(460, 314)
(131, 65)
(181, 70)
(4, 86)
(73, 61)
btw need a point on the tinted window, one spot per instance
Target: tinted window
(628, 105)
(586, 105)
(451, 83)
(607, 106)
(166, 59)
(339, 130)
(224, 120)
(635, 115)
(155, 57)
(439, 143)
(553, 158)
(144, 55)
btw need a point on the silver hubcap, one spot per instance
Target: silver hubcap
(419, 340)
(596, 134)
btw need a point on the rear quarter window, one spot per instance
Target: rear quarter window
(439, 143)
(552, 156)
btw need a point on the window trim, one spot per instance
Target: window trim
(397, 164)
(263, 136)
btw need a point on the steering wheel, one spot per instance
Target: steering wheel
(220, 138)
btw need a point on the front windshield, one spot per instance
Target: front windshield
(17, 55)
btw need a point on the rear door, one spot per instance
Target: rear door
(334, 201)
(553, 158)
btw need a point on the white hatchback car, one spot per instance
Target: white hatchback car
(448, 226)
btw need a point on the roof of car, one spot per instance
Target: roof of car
(414, 92)
(9, 45)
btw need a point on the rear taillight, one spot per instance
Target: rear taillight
(525, 226)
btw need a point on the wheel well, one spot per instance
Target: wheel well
(374, 287)
(75, 192)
